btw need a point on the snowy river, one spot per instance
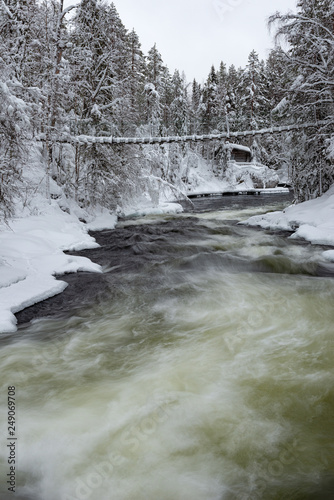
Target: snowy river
(198, 366)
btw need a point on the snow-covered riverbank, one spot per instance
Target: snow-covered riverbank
(32, 252)
(312, 220)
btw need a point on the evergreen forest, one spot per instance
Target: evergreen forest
(77, 71)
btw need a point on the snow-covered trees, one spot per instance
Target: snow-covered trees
(16, 33)
(211, 105)
(98, 68)
(78, 71)
(310, 65)
(253, 100)
(14, 123)
(195, 107)
(135, 82)
(179, 108)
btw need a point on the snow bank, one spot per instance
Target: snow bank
(143, 209)
(312, 220)
(31, 254)
(103, 219)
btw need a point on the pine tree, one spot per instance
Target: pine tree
(20, 26)
(165, 90)
(99, 68)
(18, 96)
(15, 128)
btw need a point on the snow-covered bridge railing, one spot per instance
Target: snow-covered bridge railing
(88, 139)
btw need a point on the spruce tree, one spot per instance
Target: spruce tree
(196, 107)
(135, 82)
(179, 106)
(156, 79)
(233, 98)
(253, 101)
(211, 105)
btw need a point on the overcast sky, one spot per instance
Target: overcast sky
(191, 35)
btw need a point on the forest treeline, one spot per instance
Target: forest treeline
(79, 71)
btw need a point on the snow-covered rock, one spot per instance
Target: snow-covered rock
(142, 209)
(252, 175)
(237, 177)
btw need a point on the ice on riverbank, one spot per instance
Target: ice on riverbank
(312, 220)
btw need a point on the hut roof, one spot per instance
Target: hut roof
(239, 147)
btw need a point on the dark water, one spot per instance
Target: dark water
(198, 366)
(142, 242)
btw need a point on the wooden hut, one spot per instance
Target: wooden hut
(239, 153)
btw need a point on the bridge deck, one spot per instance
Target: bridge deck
(247, 192)
(86, 139)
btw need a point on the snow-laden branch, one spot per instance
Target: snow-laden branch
(306, 64)
(167, 184)
(6, 9)
(306, 20)
(99, 84)
(66, 11)
(111, 104)
(295, 19)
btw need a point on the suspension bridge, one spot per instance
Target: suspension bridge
(87, 139)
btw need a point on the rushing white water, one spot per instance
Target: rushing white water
(209, 380)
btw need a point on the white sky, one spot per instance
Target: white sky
(191, 35)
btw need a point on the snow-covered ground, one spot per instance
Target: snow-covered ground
(312, 220)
